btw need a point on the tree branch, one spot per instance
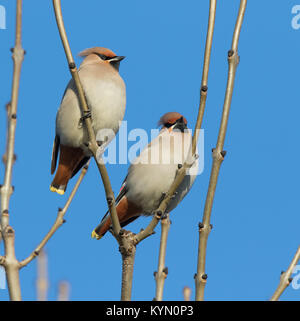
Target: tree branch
(58, 222)
(11, 264)
(285, 278)
(42, 277)
(126, 240)
(8, 234)
(218, 157)
(92, 143)
(203, 95)
(127, 249)
(63, 291)
(162, 270)
(187, 291)
(183, 169)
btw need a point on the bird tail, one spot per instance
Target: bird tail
(103, 227)
(70, 161)
(127, 213)
(61, 179)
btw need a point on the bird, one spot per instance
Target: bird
(105, 92)
(152, 173)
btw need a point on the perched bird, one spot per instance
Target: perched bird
(152, 173)
(106, 98)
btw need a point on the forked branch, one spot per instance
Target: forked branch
(218, 157)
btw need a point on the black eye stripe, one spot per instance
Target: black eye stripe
(168, 125)
(103, 57)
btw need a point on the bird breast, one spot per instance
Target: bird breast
(153, 172)
(106, 97)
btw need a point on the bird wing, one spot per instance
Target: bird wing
(55, 149)
(122, 192)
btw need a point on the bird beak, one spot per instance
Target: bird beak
(180, 125)
(117, 59)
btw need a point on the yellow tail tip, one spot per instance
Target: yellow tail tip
(96, 236)
(58, 191)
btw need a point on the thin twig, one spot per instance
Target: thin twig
(58, 222)
(4, 158)
(218, 157)
(162, 270)
(42, 277)
(187, 291)
(127, 246)
(286, 277)
(203, 95)
(182, 171)
(11, 263)
(92, 143)
(63, 291)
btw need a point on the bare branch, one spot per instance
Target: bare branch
(8, 234)
(42, 277)
(162, 270)
(203, 95)
(92, 144)
(218, 157)
(127, 250)
(58, 222)
(63, 291)
(11, 264)
(182, 171)
(18, 56)
(206, 64)
(149, 230)
(126, 244)
(187, 291)
(286, 277)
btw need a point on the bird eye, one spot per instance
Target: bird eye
(103, 57)
(168, 125)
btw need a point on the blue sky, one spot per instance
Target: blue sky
(256, 210)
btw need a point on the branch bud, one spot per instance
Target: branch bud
(204, 89)
(230, 53)
(72, 65)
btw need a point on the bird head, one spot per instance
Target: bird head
(105, 55)
(173, 121)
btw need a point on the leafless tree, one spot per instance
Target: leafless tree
(127, 240)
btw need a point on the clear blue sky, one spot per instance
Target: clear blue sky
(256, 211)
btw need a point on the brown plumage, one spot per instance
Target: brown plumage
(97, 50)
(71, 159)
(170, 118)
(105, 92)
(147, 181)
(127, 212)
